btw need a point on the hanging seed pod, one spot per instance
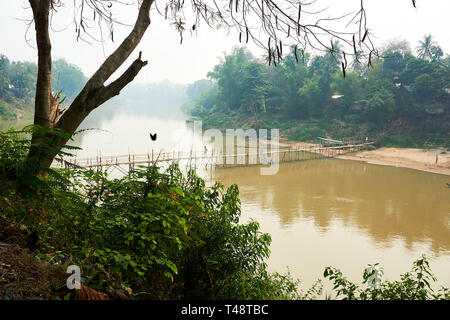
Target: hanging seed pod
(298, 18)
(354, 45)
(193, 27)
(343, 69)
(270, 57)
(289, 31)
(240, 37)
(295, 53)
(246, 33)
(230, 5)
(345, 59)
(365, 35)
(281, 48)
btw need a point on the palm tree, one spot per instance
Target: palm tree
(437, 53)
(424, 49)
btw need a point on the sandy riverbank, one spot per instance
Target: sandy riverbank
(419, 159)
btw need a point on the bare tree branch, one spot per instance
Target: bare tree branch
(94, 92)
(113, 89)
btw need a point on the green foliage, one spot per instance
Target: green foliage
(428, 49)
(5, 112)
(228, 76)
(392, 102)
(19, 172)
(13, 151)
(68, 78)
(414, 285)
(310, 94)
(306, 132)
(198, 88)
(18, 82)
(205, 103)
(164, 234)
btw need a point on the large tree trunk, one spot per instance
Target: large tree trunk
(94, 92)
(41, 11)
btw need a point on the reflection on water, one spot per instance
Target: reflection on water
(347, 214)
(386, 202)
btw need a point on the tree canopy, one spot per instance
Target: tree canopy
(399, 90)
(18, 84)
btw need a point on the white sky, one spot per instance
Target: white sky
(190, 61)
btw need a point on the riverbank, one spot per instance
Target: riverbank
(429, 160)
(418, 159)
(413, 158)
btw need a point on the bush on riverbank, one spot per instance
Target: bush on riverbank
(416, 284)
(164, 234)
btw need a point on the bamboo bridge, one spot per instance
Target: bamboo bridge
(243, 156)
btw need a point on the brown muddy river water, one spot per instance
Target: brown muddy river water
(347, 214)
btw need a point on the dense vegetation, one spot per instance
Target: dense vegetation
(162, 234)
(18, 85)
(401, 99)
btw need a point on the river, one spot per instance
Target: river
(320, 213)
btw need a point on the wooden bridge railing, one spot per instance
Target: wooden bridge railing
(212, 158)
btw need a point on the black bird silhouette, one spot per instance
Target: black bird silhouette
(153, 136)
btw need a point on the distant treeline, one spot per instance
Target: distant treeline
(18, 85)
(402, 99)
(18, 88)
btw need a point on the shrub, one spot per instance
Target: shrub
(414, 285)
(161, 233)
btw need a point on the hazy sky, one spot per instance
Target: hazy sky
(190, 61)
